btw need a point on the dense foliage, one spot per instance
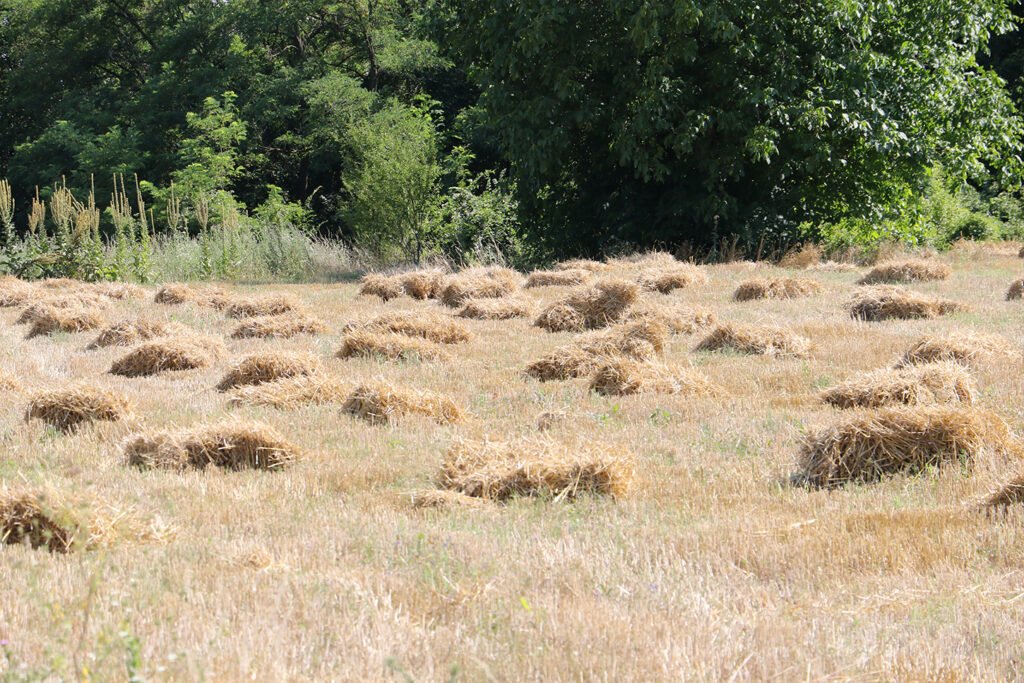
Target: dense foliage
(528, 129)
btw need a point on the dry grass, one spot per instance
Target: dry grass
(966, 348)
(387, 287)
(913, 270)
(279, 304)
(638, 340)
(68, 409)
(806, 256)
(872, 444)
(119, 291)
(230, 445)
(172, 354)
(538, 467)
(566, 277)
(269, 367)
(582, 264)
(931, 384)
(627, 376)
(776, 288)
(679, 318)
(667, 280)
(758, 340)
(15, 292)
(886, 302)
(69, 320)
(1010, 493)
(479, 283)
(497, 309)
(590, 308)
(389, 346)
(436, 499)
(833, 267)
(131, 332)
(431, 326)
(423, 284)
(381, 403)
(292, 393)
(283, 326)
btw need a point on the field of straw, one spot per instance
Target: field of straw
(374, 488)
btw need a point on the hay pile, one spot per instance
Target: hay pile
(119, 291)
(678, 318)
(426, 325)
(871, 444)
(497, 309)
(626, 376)
(582, 264)
(639, 340)
(768, 341)
(479, 283)
(131, 332)
(1011, 493)
(776, 288)
(278, 327)
(52, 320)
(435, 499)
(965, 348)
(263, 306)
(423, 284)
(834, 267)
(168, 355)
(538, 467)
(566, 277)
(230, 445)
(885, 302)
(807, 256)
(295, 392)
(15, 292)
(914, 270)
(268, 367)
(380, 403)
(35, 310)
(590, 308)
(389, 346)
(648, 259)
(931, 384)
(386, 287)
(1016, 290)
(29, 518)
(68, 409)
(174, 293)
(667, 280)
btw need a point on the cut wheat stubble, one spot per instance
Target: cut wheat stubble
(870, 445)
(536, 467)
(231, 445)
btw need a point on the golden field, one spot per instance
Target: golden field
(708, 563)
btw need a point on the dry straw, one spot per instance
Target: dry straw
(678, 318)
(268, 305)
(931, 384)
(435, 499)
(131, 332)
(537, 467)
(68, 409)
(807, 256)
(168, 355)
(590, 308)
(380, 403)
(833, 267)
(426, 325)
(34, 311)
(479, 283)
(1016, 290)
(871, 444)
(174, 293)
(119, 291)
(423, 284)
(278, 327)
(914, 270)
(52, 320)
(582, 264)
(676, 277)
(566, 277)
(885, 302)
(1011, 493)
(389, 346)
(15, 292)
(268, 367)
(626, 376)
(294, 392)
(757, 340)
(965, 348)
(642, 340)
(230, 445)
(776, 288)
(497, 309)
(386, 287)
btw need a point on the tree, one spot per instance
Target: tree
(664, 122)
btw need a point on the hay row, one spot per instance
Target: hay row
(931, 384)
(292, 393)
(380, 403)
(131, 332)
(914, 270)
(497, 309)
(230, 445)
(885, 302)
(667, 280)
(756, 340)
(565, 277)
(389, 346)
(776, 288)
(431, 326)
(626, 376)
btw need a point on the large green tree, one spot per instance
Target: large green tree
(648, 122)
